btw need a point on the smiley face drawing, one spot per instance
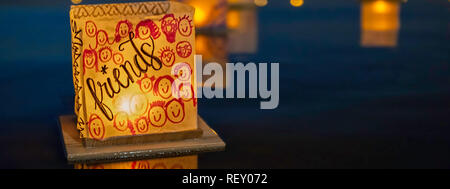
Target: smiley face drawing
(123, 27)
(118, 58)
(105, 54)
(121, 121)
(167, 56)
(184, 49)
(157, 115)
(169, 26)
(90, 28)
(102, 37)
(141, 124)
(185, 26)
(163, 87)
(142, 164)
(96, 127)
(147, 28)
(138, 104)
(175, 110)
(89, 60)
(186, 93)
(146, 83)
(182, 71)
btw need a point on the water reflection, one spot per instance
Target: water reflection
(182, 162)
(380, 22)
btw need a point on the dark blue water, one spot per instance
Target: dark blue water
(341, 105)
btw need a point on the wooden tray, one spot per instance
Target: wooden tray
(76, 152)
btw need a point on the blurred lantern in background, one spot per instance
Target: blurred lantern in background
(208, 14)
(260, 3)
(76, 1)
(242, 24)
(297, 3)
(380, 22)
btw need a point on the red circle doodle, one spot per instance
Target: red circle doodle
(187, 94)
(123, 123)
(141, 125)
(146, 83)
(157, 115)
(163, 86)
(184, 49)
(175, 110)
(140, 165)
(90, 60)
(105, 54)
(167, 56)
(102, 37)
(169, 27)
(182, 71)
(123, 28)
(90, 28)
(96, 127)
(185, 26)
(118, 58)
(147, 28)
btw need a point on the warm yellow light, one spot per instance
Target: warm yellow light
(233, 20)
(76, 1)
(380, 15)
(260, 3)
(202, 11)
(380, 6)
(380, 22)
(122, 103)
(297, 3)
(200, 16)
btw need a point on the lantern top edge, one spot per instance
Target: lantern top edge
(151, 8)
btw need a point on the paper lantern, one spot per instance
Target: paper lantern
(183, 162)
(133, 69)
(380, 23)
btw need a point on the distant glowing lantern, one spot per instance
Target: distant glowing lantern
(76, 1)
(133, 69)
(233, 19)
(243, 30)
(260, 3)
(183, 162)
(210, 13)
(380, 23)
(297, 3)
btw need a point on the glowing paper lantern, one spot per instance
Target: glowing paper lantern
(133, 69)
(183, 162)
(380, 23)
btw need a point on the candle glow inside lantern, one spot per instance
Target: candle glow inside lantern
(380, 23)
(133, 69)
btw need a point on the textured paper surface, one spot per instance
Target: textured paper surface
(133, 68)
(183, 162)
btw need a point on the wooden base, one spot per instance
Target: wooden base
(76, 152)
(139, 139)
